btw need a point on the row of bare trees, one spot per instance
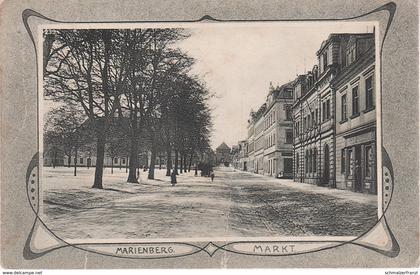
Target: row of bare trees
(131, 88)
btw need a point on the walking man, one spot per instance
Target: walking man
(212, 175)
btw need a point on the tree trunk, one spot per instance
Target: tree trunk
(75, 161)
(190, 163)
(160, 161)
(55, 158)
(112, 165)
(176, 162)
(133, 162)
(100, 155)
(168, 163)
(120, 163)
(185, 163)
(180, 163)
(151, 174)
(69, 160)
(196, 169)
(126, 164)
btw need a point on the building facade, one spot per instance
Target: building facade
(223, 154)
(334, 121)
(356, 116)
(278, 132)
(268, 149)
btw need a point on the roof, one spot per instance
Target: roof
(223, 146)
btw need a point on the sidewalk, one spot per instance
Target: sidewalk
(307, 187)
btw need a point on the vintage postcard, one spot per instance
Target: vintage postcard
(218, 139)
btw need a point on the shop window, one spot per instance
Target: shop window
(123, 161)
(343, 161)
(81, 160)
(115, 160)
(349, 167)
(368, 161)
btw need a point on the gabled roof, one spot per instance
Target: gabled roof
(223, 146)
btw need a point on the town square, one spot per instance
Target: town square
(209, 132)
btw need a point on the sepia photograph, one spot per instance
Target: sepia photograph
(209, 131)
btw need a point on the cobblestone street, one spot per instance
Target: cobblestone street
(236, 204)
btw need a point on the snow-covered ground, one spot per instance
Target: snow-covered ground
(236, 204)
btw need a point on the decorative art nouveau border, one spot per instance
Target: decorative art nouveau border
(379, 238)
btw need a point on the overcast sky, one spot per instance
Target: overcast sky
(238, 61)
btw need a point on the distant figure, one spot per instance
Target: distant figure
(212, 175)
(173, 177)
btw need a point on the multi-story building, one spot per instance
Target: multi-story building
(269, 149)
(259, 140)
(332, 147)
(243, 155)
(251, 144)
(278, 132)
(355, 115)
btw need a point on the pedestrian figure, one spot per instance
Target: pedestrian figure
(173, 177)
(212, 176)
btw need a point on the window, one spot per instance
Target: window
(310, 161)
(355, 100)
(368, 161)
(115, 160)
(324, 111)
(343, 161)
(343, 107)
(315, 155)
(81, 160)
(288, 112)
(328, 109)
(369, 92)
(313, 119)
(289, 136)
(324, 61)
(316, 116)
(306, 162)
(351, 53)
(274, 138)
(123, 161)
(349, 161)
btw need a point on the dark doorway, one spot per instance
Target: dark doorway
(358, 170)
(288, 167)
(245, 169)
(326, 178)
